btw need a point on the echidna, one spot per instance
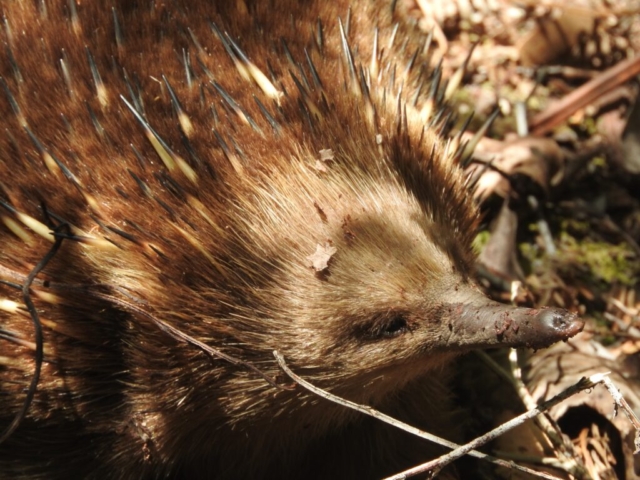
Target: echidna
(186, 186)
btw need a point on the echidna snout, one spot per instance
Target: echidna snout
(226, 179)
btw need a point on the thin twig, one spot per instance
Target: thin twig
(37, 328)
(436, 465)
(584, 383)
(562, 446)
(621, 403)
(403, 426)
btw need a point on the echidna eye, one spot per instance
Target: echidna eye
(397, 325)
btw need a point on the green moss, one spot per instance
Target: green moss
(531, 254)
(594, 263)
(603, 329)
(598, 162)
(482, 238)
(575, 227)
(604, 261)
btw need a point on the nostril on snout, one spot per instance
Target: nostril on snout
(556, 320)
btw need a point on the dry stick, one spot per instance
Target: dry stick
(620, 402)
(545, 121)
(583, 384)
(403, 426)
(565, 454)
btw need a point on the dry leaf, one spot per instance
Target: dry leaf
(556, 34)
(319, 261)
(320, 166)
(631, 140)
(499, 254)
(326, 155)
(538, 158)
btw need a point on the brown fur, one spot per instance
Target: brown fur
(223, 255)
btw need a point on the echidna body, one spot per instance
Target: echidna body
(240, 177)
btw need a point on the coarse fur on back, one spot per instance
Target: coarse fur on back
(258, 176)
